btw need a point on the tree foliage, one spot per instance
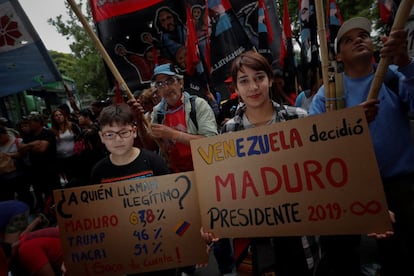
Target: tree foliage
(347, 8)
(86, 66)
(65, 62)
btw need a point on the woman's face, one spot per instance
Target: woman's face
(59, 117)
(253, 87)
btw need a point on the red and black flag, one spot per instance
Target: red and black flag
(333, 23)
(265, 31)
(227, 39)
(308, 31)
(387, 12)
(264, 37)
(192, 57)
(386, 8)
(138, 34)
(308, 39)
(199, 15)
(286, 41)
(195, 69)
(287, 59)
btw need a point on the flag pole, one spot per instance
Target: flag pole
(399, 23)
(106, 58)
(101, 49)
(329, 96)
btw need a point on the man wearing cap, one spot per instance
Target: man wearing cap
(389, 127)
(171, 120)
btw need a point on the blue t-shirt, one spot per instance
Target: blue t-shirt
(390, 130)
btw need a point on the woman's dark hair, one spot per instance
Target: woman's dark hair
(116, 114)
(254, 61)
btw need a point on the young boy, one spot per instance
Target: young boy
(125, 161)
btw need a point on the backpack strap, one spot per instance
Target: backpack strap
(160, 117)
(193, 113)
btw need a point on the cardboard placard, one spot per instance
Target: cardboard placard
(312, 176)
(131, 226)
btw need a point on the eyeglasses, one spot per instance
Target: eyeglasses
(111, 135)
(167, 82)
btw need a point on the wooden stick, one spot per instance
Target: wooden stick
(106, 58)
(101, 49)
(399, 23)
(329, 98)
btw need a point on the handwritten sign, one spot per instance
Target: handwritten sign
(316, 175)
(131, 226)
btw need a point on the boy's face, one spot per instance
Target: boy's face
(118, 139)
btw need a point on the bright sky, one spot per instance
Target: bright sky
(39, 11)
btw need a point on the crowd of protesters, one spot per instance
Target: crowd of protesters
(102, 144)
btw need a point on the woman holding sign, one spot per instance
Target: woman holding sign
(252, 76)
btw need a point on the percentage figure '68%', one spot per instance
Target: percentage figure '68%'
(145, 216)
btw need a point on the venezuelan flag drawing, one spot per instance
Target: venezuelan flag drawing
(181, 227)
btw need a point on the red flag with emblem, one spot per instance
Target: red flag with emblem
(385, 10)
(286, 34)
(192, 58)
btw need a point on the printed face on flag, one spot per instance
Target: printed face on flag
(138, 34)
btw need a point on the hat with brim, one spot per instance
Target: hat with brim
(353, 23)
(164, 69)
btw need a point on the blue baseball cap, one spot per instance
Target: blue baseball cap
(164, 69)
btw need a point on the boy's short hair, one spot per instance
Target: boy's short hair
(116, 114)
(86, 112)
(36, 118)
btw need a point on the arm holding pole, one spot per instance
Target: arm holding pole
(399, 23)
